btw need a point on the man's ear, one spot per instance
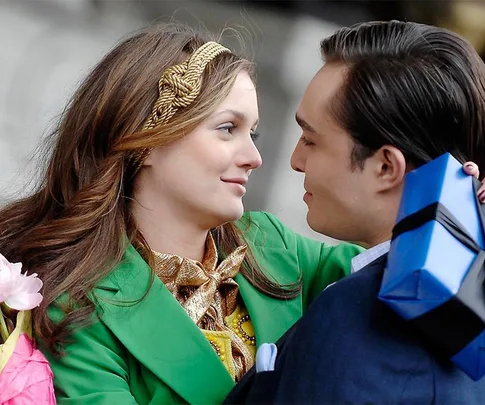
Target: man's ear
(389, 166)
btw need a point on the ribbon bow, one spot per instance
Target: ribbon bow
(207, 277)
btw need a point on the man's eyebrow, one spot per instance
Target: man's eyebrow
(238, 114)
(304, 125)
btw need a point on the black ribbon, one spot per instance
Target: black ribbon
(454, 324)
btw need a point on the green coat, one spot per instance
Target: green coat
(153, 353)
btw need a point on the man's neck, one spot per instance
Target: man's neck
(375, 241)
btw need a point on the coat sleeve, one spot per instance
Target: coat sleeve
(320, 264)
(93, 370)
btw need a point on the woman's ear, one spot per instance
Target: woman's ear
(148, 160)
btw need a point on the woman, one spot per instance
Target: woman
(157, 288)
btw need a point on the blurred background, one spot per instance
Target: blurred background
(48, 46)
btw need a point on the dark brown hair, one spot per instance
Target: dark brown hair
(417, 87)
(74, 228)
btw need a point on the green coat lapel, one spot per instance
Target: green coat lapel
(160, 335)
(271, 317)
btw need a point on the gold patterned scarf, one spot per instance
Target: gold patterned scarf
(208, 293)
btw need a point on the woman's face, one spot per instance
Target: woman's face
(202, 176)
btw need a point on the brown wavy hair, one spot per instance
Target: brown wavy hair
(74, 228)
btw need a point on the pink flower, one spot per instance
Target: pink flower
(17, 290)
(27, 378)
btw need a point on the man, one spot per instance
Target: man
(390, 97)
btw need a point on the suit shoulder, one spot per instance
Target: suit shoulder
(365, 282)
(350, 303)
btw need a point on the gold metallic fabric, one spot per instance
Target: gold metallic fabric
(208, 293)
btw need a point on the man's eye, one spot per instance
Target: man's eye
(305, 141)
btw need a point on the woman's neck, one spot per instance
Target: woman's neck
(169, 233)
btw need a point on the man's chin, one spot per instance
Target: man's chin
(313, 223)
(321, 226)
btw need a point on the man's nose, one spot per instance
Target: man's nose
(298, 159)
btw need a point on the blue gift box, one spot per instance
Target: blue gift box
(435, 270)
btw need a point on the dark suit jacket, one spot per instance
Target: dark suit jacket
(350, 348)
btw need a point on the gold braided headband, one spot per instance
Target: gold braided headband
(178, 87)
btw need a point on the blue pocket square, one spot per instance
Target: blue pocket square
(266, 357)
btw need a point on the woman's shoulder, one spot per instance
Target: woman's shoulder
(131, 275)
(252, 220)
(263, 228)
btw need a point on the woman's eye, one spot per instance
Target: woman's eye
(226, 128)
(230, 127)
(255, 135)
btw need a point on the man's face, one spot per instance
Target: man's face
(339, 197)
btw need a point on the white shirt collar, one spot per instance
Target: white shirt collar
(367, 257)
